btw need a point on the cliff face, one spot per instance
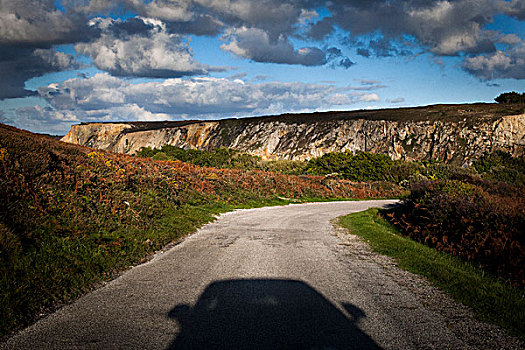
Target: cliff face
(459, 135)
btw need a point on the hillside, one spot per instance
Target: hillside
(456, 134)
(71, 216)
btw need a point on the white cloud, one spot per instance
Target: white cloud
(499, 64)
(370, 97)
(141, 47)
(104, 97)
(45, 119)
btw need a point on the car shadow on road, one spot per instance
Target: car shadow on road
(267, 314)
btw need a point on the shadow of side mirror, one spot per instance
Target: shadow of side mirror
(180, 313)
(354, 311)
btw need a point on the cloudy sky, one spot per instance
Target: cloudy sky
(67, 61)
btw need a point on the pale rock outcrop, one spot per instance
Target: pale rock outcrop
(453, 140)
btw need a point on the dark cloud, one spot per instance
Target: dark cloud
(444, 27)
(337, 59)
(320, 29)
(275, 17)
(128, 27)
(200, 25)
(205, 17)
(17, 65)
(257, 45)
(514, 8)
(345, 63)
(28, 30)
(39, 24)
(262, 31)
(363, 52)
(182, 17)
(381, 47)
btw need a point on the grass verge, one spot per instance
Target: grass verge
(65, 267)
(491, 300)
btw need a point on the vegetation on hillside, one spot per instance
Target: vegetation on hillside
(223, 158)
(488, 297)
(502, 167)
(511, 97)
(478, 220)
(71, 216)
(362, 166)
(475, 213)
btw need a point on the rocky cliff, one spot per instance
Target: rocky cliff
(453, 133)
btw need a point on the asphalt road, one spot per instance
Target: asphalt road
(270, 278)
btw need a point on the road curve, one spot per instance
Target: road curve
(269, 278)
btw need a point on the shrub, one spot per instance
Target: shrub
(511, 97)
(284, 166)
(361, 166)
(469, 218)
(217, 157)
(501, 166)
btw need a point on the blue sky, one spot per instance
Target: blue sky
(67, 62)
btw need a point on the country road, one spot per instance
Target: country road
(269, 278)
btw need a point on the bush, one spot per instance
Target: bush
(470, 218)
(511, 97)
(217, 157)
(501, 166)
(361, 166)
(284, 166)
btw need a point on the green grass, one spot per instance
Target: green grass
(63, 268)
(490, 299)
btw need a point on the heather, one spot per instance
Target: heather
(71, 217)
(475, 213)
(358, 167)
(480, 221)
(491, 299)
